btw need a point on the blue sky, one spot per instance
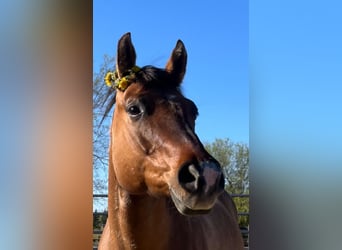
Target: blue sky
(215, 34)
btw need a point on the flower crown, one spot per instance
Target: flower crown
(112, 79)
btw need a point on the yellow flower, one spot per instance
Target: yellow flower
(122, 83)
(108, 79)
(112, 78)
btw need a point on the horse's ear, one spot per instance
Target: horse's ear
(176, 65)
(126, 57)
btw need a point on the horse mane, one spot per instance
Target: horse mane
(148, 76)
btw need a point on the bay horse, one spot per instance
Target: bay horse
(165, 191)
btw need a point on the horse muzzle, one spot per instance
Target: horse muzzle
(201, 184)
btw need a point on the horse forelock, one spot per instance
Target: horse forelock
(148, 76)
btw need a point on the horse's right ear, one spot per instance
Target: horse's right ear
(126, 57)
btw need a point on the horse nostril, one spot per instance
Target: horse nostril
(221, 182)
(189, 177)
(193, 171)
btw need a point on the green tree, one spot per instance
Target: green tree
(234, 159)
(96, 220)
(99, 220)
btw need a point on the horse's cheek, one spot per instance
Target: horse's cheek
(131, 180)
(156, 183)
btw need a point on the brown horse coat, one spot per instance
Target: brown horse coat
(165, 191)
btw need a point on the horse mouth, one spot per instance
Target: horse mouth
(185, 209)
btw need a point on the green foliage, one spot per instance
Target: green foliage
(234, 159)
(99, 220)
(242, 206)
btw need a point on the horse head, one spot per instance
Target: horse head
(154, 148)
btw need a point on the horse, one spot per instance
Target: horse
(165, 191)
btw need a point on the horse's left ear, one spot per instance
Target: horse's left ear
(176, 65)
(126, 57)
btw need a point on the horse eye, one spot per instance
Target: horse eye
(134, 110)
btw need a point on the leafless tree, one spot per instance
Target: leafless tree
(101, 124)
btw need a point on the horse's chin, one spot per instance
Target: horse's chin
(185, 209)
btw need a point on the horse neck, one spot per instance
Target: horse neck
(137, 220)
